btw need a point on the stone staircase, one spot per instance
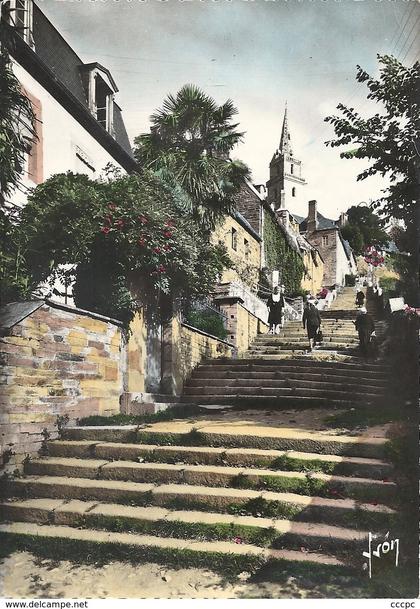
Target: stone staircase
(204, 493)
(223, 493)
(278, 370)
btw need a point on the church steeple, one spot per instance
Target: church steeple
(285, 144)
(285, 184)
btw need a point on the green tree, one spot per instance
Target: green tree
(390, 140)
(189, 142)
(363, 228)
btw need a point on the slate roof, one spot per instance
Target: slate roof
(58, 68)
(323, 223)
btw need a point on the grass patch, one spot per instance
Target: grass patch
(101, 553)
(186, 530)
(289, 464)
(176, 412)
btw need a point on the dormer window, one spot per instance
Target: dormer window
(21, 18)
(101, 89)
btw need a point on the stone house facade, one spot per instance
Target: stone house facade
(325, 235)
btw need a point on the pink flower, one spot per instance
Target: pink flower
(111, 206)
(143, 219)
(141, 241)
(157, 250)
(167, 234)
(161, 268)
(119, 223)
(105, 230)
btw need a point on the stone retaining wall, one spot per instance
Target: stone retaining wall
(56, 362)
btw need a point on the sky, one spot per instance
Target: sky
(260, 54)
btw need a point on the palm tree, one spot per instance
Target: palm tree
(189, 143)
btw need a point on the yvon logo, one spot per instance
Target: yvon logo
(382, 549)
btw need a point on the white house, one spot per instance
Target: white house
(79, 124)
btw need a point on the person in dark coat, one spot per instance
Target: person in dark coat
(365, 327)
(312, 321)
(275, 304)
(360, 298)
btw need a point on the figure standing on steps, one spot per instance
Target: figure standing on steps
(275, 304)
(312, 321)
(360, 298)
(365, 327)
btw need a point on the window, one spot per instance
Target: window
(101, 88)
(293, 192)
(21, 18)
(325, 240)
(246, 248)
(103, 101)
(234, 239)
(291, 168)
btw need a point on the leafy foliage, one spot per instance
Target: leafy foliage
(363, 229)
(189, 142)
(280, 256)
(207, 322)
(114, 235)
(391, 143)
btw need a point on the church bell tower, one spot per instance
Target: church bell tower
(285, 186)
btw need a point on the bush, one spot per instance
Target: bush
(350, 281)
(207, 322)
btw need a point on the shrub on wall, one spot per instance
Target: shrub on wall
(279, 255)
(113, 232)
(207, 322)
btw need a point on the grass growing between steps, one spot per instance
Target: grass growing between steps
(101, 553)
(239, 534)
(176, 412)
(289, 464)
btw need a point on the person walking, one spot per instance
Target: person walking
(365, 327)
(275, 304)
(312, 321)
(360, 298)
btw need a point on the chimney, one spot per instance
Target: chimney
(312, 221)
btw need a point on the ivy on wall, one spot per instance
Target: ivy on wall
(280, 256)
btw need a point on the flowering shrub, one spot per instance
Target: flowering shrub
(125, 231)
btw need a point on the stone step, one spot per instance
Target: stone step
(230, 436)
(318, 376)
(282, 403)
(286, 382)
(209, 455)
(276, 368)
(338, 512)
(183, 524)
(157, 549)
(351, 355)
(214, 475)
(278, 392)
(301, 345)
(302, 336)
(379, 369)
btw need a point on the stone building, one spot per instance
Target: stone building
(325, 235)
(286, 186)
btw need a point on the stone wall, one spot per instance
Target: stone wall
(195, 345)
(246, 257)
(248, 203)
(312, 280)
(56, 362)
(242, 326)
